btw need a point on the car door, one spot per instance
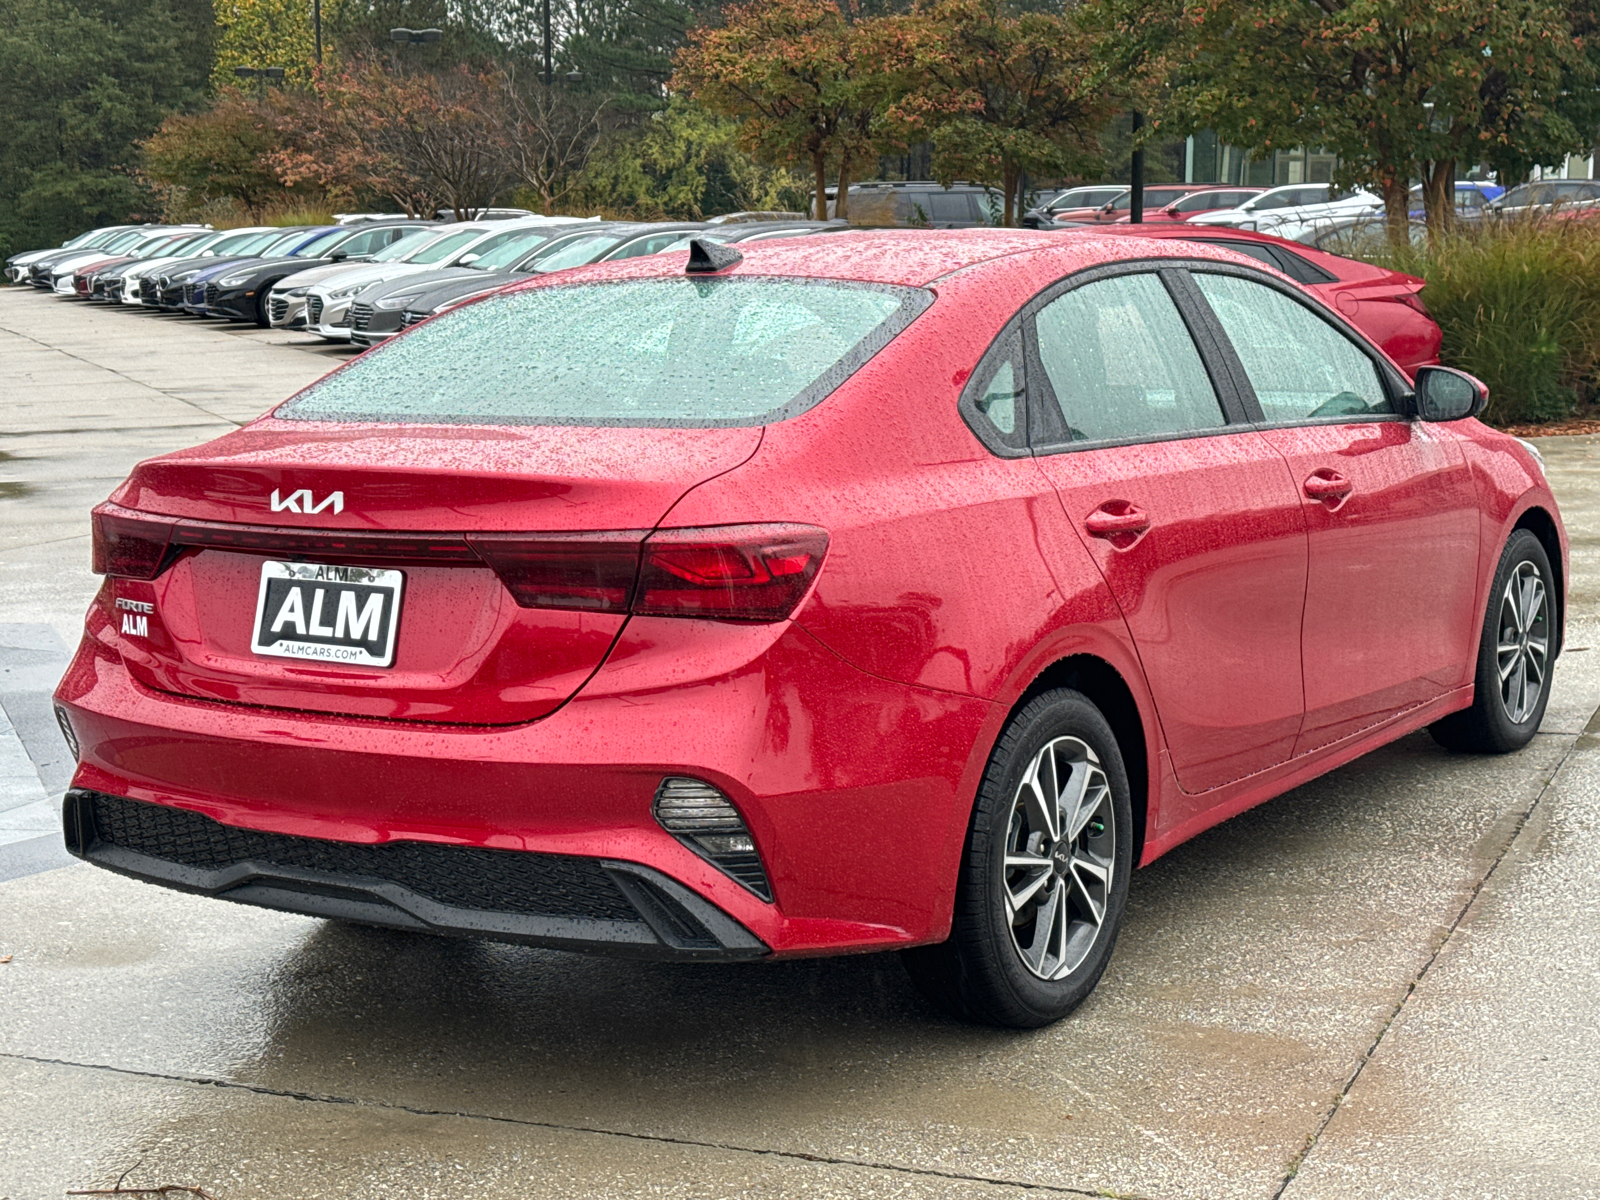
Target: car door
(1189, 514)
(1391, 597)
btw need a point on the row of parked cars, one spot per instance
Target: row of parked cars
(359, 282)
(363, 282)
(1314, 213)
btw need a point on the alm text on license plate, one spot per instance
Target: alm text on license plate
(328, 613)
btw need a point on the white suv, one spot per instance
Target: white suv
(1290, 211)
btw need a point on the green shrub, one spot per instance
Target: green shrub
(1519, 304)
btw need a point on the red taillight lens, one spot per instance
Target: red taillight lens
(722, 572)
(729, 572)
(594, 572)
(133, 547)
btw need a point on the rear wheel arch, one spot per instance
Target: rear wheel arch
(1542, 525)
(1103, 686)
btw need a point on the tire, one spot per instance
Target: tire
(1034, 968)
(262, 318)
(1519, 637)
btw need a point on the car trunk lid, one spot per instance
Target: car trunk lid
(381, 498)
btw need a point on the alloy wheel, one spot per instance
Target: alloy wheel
(1524, 646)
(1059, 856)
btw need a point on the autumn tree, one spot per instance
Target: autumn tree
(423, 141)
(221, 151)
(554, 132)
(793, 71)
(998, 92)
(1395, 87)
(682, 163)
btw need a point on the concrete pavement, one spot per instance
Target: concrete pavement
(1382, 984)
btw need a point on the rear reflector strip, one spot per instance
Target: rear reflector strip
(719, 572)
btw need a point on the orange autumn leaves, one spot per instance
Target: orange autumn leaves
(998, 94)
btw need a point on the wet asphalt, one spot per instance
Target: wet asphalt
(1385, 983)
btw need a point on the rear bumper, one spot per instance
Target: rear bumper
(560, 901)
(856, 790)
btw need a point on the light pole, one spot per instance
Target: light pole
(415, 37)
(1136, 176)
(548, 78)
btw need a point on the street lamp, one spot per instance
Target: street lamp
(415, 37)
(261, 73)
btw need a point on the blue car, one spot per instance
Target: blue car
(1472, 199)
(193, 298)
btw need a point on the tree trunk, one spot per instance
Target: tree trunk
(841, 208)
(819, 160)
(1438, 197)
(1396, 204)
(1010, 175)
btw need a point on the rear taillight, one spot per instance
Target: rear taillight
(589, 571)
(730, 572)
(135, 547)
(721, 572)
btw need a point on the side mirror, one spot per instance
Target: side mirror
(338, 256)
(466, 260)
(1445, 394)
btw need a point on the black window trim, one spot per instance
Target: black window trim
(1396, 387)
(1006, 347)
(1044, 421)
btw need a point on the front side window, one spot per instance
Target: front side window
(1299, 365)
(1153, 198)
(1121, 364)
(637, 352)
(282, 243)
(1201, 201)
(318, 246)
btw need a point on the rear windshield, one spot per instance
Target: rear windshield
(679, 351)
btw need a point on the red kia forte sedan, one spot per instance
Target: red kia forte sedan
(892, 590)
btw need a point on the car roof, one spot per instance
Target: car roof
(908, 257)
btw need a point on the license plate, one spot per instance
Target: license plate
(333, 614)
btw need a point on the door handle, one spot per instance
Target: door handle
(1328, 485)
(1116, 517)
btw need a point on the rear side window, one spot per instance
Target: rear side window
(1121, 364)
(672, 351)
(949, 206)
(1300, 367)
